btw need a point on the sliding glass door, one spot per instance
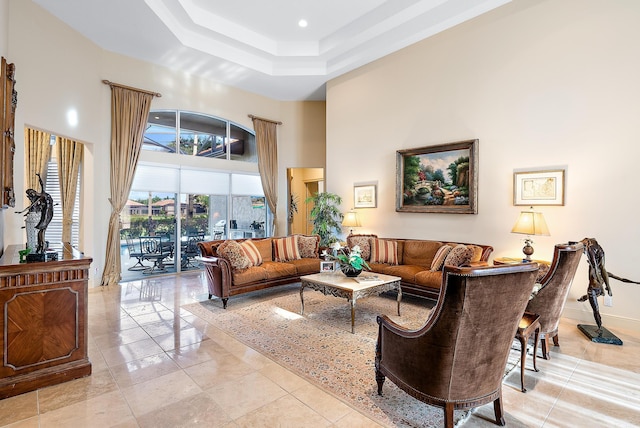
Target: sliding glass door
(189, 205)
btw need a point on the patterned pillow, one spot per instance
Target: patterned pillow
(384, 251)
(285, 249)
(460, 255)
(477, 252)
(251, 251)
(439, 258)
(364, 241)
(232, 251)
(308, 246)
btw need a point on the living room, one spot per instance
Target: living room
(541, 85)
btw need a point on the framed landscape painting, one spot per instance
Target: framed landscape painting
(544, 187)
(438, 179)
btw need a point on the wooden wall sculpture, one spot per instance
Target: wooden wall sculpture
(9, 99)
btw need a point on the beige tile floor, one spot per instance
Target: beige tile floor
(155, 365)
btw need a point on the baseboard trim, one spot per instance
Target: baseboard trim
(609, 321)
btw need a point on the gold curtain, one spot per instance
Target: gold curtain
(267, 145)
(37, 154)
(129, 115)
(69, 155)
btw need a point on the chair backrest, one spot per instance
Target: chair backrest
(132, 245)
(151, 244)
(462, 350)
(550, 299)
(192, 244)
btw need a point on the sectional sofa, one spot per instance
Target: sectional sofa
(235, 267)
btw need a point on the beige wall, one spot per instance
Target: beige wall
(540, 84)
(58, 71)
(4, 35)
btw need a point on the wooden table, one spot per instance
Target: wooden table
(543, 264)
(44, 321)
(337, 284)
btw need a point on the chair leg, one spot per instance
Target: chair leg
(448, 415)
(380, 378)
(523, 356)
(497, 411)
(545, 348)
(224, 303)
(536, 337)
(546, 345)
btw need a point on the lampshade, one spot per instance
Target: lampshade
(351, 220)
(531, 223)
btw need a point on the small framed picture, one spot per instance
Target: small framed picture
(327, 267)
(544, 187)
(364, 196)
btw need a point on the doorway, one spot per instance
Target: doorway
(302, 183)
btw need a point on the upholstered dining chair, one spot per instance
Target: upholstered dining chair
(457, 359)
(549, 300)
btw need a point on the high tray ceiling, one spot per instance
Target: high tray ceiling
(257, 45)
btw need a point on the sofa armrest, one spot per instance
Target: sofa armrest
(219, 278)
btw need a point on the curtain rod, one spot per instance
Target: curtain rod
(266, 120)
(112, 84)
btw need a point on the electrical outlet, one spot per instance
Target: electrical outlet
(608, 300)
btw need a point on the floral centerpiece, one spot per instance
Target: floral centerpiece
(349, 260)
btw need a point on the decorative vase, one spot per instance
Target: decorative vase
(350, 271)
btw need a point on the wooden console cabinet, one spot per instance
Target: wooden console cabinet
(43, 327)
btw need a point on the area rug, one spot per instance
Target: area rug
(319, 345)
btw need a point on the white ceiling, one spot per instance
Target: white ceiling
(257, 45)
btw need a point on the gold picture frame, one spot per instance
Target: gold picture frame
(438, 179)
(540, 187)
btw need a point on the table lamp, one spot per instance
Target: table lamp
(351, 220)
(530, 223)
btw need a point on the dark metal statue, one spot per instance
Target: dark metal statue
(598, 285)
(41, 202)
(598, 277)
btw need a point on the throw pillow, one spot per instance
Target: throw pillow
(252, 252)
(285, 249)
(439, 258)
(384, 251)
(308, 246)
(232, 251)
(477, 253)
(460, 255)
(364, 242)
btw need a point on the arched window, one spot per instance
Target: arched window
(197, 134)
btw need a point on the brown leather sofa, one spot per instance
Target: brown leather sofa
(224, 281)
(414, 261)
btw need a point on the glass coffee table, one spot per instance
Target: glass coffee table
(337, 284)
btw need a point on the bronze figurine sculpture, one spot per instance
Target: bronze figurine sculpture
(41, 203)
(598, 285)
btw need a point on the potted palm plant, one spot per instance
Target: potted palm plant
(326, 216)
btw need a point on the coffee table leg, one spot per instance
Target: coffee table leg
(399, 297)
(353, 315)
(301, 298)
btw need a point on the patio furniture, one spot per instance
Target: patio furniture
(154, 250)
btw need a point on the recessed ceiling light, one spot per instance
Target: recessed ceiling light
(302, 23)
